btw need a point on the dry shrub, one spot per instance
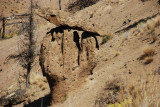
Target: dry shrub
(131, 93)
(106, 38)
(149, 51)
(154, 38)
(35, 78)
(144, 94)
(157, 20)
(117, 53)
(144, 0)
(80, 4)
(148, 60)
(148, 26)
(148, 55)
(151, 25)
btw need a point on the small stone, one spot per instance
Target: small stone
(130, 72)
(91, 78)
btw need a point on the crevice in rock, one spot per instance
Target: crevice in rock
(136, 23)
(89, 34)
(76, 40)
(62, 43)
(51, 81)
(58, 78)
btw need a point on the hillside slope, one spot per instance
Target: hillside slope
(80, 69)
(126, 65)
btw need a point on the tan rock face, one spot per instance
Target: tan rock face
(67, 57)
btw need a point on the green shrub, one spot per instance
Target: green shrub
(106, 38)
(7, 36)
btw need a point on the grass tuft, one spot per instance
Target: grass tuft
(106, 38)
(149, 51)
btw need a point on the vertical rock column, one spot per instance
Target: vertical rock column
(65, 59)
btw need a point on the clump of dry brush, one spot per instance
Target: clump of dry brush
(80, 4)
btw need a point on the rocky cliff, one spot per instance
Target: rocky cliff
(67, 57)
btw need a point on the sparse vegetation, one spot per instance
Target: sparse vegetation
(148, 55)
(124, 103)
(80, 4)
(106, 38)
(148, 60)
(141, 25)
(7, 36)
(149, 51)
(154, 38)
(146, 94)
(113, 60)
(64, 98)
(41, 85)
(151, 25)
(35, 78)
(117, 53)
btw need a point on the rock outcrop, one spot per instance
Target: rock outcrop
(62, 18)
(67, 57)
(14, 97)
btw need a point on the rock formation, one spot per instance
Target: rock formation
(62, 18)
(67, 56)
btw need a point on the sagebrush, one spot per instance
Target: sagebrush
(80, 4)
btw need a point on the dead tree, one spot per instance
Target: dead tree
(3, 27)
(30, 46)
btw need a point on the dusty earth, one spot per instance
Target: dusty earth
(77, 69)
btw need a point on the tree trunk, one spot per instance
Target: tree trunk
(3, 25)
(30, 50)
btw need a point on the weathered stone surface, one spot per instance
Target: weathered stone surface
(59, 17)
(66, 59)
(13, 98)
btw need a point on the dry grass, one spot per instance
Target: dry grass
(149, 51)
(35, 78)
(117, 53)
(106, 38)
(148, 60)
(151, 25)
(42, 86)
(80, 4)
(153, 38)
(144, 94)
(148, 55)
(157, 20)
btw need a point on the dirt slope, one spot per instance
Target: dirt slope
(82, 72)
(121, 62)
